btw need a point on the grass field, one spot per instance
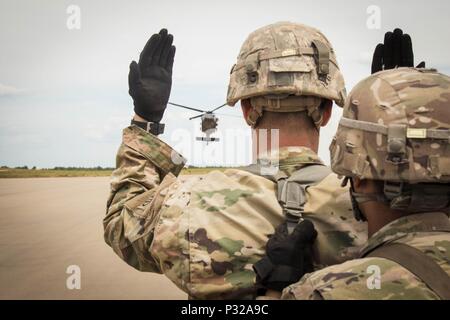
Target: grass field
(51, 173)
(55, 173)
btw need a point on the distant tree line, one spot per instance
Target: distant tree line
(84, 168)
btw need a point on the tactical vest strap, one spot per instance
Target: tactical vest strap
(418, 263)
(291, 191)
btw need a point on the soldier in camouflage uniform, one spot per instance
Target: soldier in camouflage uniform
(206, 233)
(393, 144)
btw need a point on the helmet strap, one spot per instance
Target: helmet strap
(358, 198)
(405, 197)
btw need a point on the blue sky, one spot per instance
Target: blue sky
(64, 94)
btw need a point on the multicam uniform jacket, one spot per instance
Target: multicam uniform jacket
(205, 233)
(354, 279)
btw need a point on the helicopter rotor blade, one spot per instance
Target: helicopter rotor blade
(185, 107)
(196, 117)
(228, 115)
(218, 107)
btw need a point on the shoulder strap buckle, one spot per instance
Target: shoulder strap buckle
(291, 191)
(393, 189)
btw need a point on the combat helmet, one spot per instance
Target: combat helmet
(396, 128)
(286, 67)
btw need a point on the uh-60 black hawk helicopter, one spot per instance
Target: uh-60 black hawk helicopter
(209, 121)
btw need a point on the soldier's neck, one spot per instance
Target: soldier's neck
(272, 139)
(378, 215)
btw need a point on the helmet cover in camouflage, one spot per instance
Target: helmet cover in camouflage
(396, 127)
(282, 60)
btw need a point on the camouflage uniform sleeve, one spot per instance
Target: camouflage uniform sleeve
(337, 282)
(304, 289)
(358, 280)
(144, 166)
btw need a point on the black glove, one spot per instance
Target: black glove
(288, 257)
(150, 81)
(396, 52)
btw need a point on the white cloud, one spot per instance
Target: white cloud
(79, 103)
(106, 129)
(365, 58)
(9, 90)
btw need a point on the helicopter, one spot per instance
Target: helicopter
(209, 121)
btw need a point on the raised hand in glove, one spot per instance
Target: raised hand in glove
(150, 80)
(288, 257)
(396, 52)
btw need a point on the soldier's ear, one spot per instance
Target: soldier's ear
(246, 107)
(356, 183)
(327, 107)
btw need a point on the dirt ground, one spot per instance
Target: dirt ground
(48, 224)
